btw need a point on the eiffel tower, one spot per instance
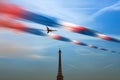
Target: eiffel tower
(59, 75)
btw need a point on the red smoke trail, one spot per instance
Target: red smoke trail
(14, 11)
(17, 11)
(9, 8)
(7, 22)
(10, 23)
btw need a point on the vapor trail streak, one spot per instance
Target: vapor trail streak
(19, 12)
(12, 24)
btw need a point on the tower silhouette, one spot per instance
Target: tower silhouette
(59, 75)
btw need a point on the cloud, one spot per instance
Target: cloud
(73, 66)
(10, 49)
(88, 52)
(2, 56)
(92, 54)
(7, 47)
(108, 66)
(113, 7)
(35, 56)
(69, 67)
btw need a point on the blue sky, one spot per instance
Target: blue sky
(25, 56)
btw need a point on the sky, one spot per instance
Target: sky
(25, 56)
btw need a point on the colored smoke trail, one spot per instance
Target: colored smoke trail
(10, 23)
(82, 30)
(19, 12)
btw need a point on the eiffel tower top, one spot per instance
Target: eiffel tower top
(59, 75)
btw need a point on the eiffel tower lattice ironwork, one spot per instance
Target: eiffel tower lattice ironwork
(59, 75)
